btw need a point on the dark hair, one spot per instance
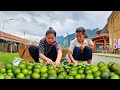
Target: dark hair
(80, 29)
(51, 30)
(86, 36)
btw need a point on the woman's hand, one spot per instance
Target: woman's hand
(83, 46)
(49, 61)
(74, 62)
(69, 61)
(57, 63)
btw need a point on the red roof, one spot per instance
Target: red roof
(100, 36)
(12, 37)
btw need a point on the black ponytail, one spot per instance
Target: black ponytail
(51, 30)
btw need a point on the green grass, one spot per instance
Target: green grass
(7, 58)
(105, 55)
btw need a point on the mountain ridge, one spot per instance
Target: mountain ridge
(65, 41)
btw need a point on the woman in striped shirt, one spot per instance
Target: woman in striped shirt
(49, 50)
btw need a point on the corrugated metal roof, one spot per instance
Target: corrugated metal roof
(10, 37)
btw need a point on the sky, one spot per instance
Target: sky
(32, 25)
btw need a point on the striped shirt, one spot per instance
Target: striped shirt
(44, 47)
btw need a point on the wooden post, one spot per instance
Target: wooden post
(94, 45)
(8, 48)
(17, 47)
(11, 47)
(4, 47)
(1, 46)
(104, 42)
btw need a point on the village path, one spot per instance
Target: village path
(106, 58)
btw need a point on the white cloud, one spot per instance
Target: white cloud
(36, 23)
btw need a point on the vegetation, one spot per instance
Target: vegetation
(7, 57)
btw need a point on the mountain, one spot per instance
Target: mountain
(65, 41)
(60, 39)
(91, 32)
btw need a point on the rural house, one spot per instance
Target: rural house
(101, 41)
(114, 31)
(10, 43)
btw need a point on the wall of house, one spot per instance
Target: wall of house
(114, 29)
(5, 47)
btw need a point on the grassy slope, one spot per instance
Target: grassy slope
(7, 57)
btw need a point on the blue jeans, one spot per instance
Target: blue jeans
(84, 55)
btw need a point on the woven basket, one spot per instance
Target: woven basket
(25, 55)
(64, 52)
